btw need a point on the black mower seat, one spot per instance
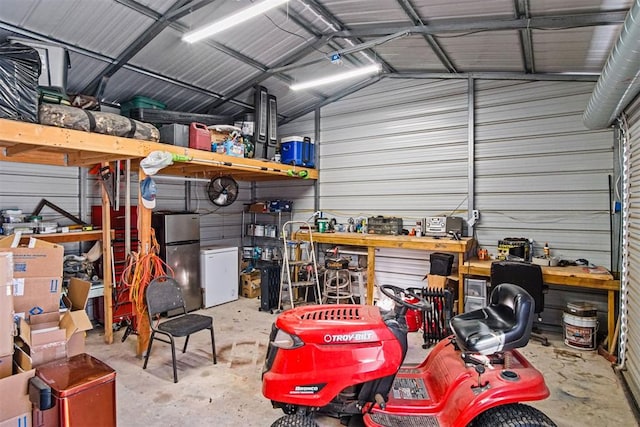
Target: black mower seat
(504, 324)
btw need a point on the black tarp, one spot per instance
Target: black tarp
(19, 73)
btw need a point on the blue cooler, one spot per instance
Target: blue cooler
(297, 151)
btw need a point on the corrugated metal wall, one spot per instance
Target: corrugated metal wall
(25, 185)
(630, 309)
(541, 175)
(400, 148)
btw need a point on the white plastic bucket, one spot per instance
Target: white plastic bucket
(579, 331)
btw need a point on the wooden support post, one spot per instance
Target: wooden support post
(144, 236)
(371, 273)
(106, 265)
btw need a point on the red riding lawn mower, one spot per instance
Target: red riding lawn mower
(345, 361)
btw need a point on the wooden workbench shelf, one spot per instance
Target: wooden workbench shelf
(22, 142)
(34, 143)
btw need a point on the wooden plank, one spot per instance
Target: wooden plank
(385, 241)
(144, 236)
(106, 266)
(566, 276)
(18, 149)
(107, 147)
(36, 157)
(72, 236)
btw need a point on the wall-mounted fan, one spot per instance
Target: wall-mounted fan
(222, 191)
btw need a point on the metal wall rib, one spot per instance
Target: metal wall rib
(631, 301)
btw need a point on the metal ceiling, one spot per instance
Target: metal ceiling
(135, 47)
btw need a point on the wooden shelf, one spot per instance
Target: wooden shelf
(70, 237)
(34, 143)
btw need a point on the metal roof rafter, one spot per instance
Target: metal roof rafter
(176, 11)
(526, 38)
(430, 39)
(491, 24)
(321, 10)
(107, 59)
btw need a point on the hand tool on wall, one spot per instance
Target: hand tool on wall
(106, 179)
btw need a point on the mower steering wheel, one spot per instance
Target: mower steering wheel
(396, 292)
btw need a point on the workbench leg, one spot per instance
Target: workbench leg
(611, 315)
(460, 282)
(371, 273)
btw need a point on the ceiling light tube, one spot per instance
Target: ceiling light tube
(371, 69)
(231, 20)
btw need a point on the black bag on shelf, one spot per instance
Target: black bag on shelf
(19, 73)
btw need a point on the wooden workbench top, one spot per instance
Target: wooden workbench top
(570, 275)
(386, 241)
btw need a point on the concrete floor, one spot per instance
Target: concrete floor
(584, 389)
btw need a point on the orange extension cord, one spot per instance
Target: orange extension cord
(140, 270)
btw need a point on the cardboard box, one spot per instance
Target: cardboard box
(250, 287)
(6, 365)
(7, 326)
(37, 259)
(435, 281)
(15, 396)
(76, 321)
(36, 295)
(22, 420)
(46, 337)
(258, 207)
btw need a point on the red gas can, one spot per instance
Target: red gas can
(199, 137)
(414, 317)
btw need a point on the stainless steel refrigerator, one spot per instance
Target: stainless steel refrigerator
(178, 234)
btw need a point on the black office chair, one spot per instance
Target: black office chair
(529, 277)
(163, 294)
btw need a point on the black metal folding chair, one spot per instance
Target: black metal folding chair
(162, 295)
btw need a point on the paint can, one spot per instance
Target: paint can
(267, 254)
(247, 252)
(580, 331)
(323, 224)
(258, 230)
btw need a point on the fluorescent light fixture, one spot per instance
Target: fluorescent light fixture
(231, 20)
(370, 69)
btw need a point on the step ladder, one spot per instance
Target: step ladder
(299, 266)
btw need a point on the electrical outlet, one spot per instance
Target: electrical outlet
(476, 214)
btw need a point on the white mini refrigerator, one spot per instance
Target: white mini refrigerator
(219, 274)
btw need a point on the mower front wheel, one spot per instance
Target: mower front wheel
(515, 415)
(296, 420)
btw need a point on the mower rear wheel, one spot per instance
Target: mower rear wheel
(515, 415)
(296, 420)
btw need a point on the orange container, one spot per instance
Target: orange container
(199, 137)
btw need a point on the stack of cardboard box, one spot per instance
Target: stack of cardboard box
(31, 280)
(15, 407)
